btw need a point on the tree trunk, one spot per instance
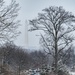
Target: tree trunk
(56, 54)
(56, 60)
(19, 70)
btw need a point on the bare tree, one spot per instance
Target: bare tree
(68, 57)
(57, 25)
(8, 21)
(39, 59)
(13, 56)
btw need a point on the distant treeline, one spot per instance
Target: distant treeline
(19, 58)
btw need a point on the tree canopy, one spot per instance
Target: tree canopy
(8, 21)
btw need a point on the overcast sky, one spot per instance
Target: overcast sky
(29, 10)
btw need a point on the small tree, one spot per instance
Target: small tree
(57, 25)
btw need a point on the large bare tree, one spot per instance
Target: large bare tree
(58, 26)
(8, 21)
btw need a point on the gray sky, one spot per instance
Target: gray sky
(29, 10)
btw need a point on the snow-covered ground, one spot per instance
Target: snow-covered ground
(72, 73)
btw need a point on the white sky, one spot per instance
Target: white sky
(29, 10)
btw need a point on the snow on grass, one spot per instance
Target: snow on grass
(72, 73)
